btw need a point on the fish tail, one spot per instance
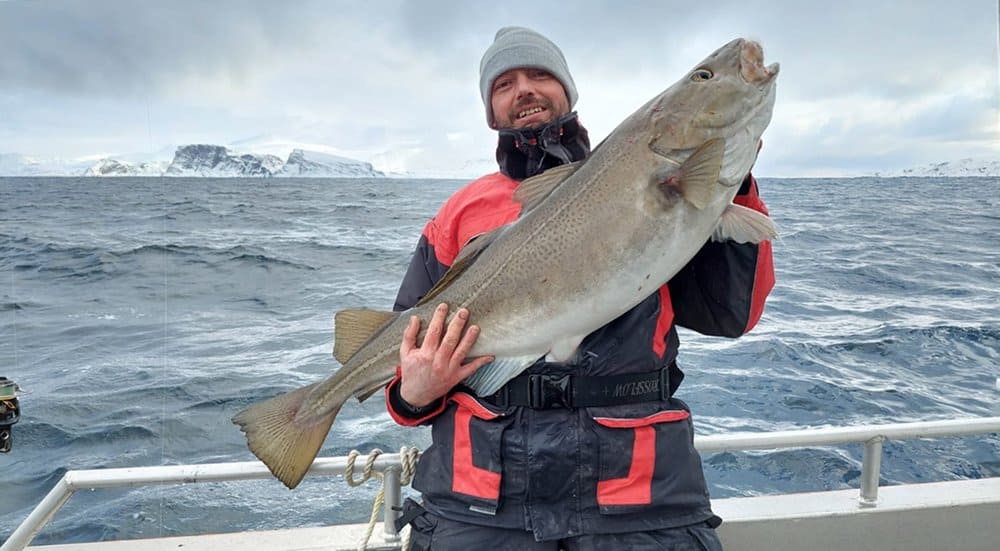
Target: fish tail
(286, 442)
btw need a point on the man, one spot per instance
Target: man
(522, 470)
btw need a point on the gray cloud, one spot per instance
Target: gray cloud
(104, 47)
(116, 46)
(859, 78)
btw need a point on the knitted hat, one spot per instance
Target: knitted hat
(517, 47)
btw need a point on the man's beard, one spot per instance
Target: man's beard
(537, 101)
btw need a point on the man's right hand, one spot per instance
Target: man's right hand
(429, 371)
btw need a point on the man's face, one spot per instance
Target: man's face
(527, 98)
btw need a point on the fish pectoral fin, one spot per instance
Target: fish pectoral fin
(534, 190)
(697, 177)
(285, 441)
(489, 378)
(744, 225)
(354, 327)
(367, 393)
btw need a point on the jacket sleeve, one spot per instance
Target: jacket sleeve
(424, 271)
(722, 290)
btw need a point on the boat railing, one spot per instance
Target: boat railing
(389, 465)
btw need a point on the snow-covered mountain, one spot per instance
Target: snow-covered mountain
(307, 160)
(197, 160)
(961, 167)
(312, 164)
(14, 164)
(114, 167)
(217, 161)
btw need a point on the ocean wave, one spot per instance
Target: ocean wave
(267, 261)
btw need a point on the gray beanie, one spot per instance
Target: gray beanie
(516, 47)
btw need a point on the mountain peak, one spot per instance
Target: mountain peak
(218, 161)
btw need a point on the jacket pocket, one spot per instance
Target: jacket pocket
(477, 461)
(648, 460)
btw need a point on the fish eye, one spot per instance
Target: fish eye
(701, 75)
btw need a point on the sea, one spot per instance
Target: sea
(139, 314)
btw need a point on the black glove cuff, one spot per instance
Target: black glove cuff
(407, 409)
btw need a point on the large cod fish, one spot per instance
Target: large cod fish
(594, 239)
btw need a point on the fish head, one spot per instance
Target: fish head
(729, 95)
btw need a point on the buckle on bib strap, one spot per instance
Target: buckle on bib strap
(547, 392)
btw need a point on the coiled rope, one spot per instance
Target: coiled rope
(408, 464)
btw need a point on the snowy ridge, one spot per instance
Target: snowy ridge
(196, 160)
(14, 164)
(113, 167)
(205, 160)
(468, 170)
(220, 162)
(962, 167)
(312, 164)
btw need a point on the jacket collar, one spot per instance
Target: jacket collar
(523, 153)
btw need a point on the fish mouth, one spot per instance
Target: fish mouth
(752, 67)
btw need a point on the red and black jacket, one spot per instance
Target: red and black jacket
(565, 472)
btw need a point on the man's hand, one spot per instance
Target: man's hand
(429, 371)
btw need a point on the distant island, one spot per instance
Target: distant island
(198, 160)
(951, 169)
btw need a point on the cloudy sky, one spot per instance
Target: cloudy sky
(865, 85)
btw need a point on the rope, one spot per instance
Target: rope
(408, 465)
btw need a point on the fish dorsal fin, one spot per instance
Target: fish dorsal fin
(744, 225)
(697, 177)
(529, 193)
(534, 190)
(353, 327)
(470, 251)
(466, 257)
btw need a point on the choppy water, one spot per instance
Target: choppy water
(140, 314)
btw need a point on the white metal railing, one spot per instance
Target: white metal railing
(389, 465)
(871, 435)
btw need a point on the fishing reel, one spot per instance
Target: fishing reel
(10, 412)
